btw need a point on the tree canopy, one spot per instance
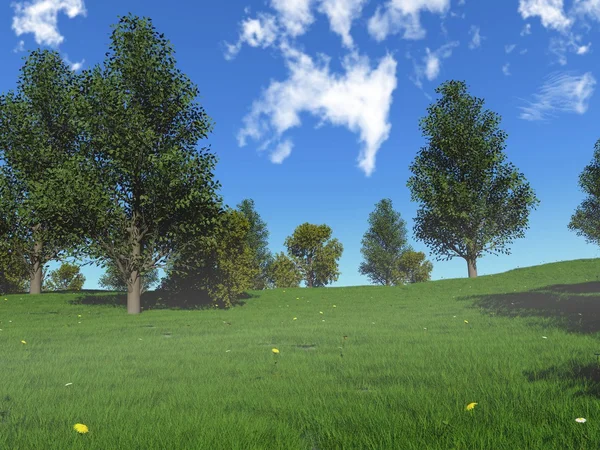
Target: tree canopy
(471, 201)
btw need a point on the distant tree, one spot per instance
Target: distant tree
(67, 277)
(223, 267)
(282, 272)
(471, 203)
(258, 240)
(383, 244)
(113, 279)
(586, 219)
(414, 268)
(316, 258)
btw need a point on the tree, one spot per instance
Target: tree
(258, 240)
(39, 131)
(383, 244)
(586, 219)
(282, 272)
(413, 268)
(67, 277)
(156, 192)
(316, 259)
(113, 280)
(223, 267)
(471, 202)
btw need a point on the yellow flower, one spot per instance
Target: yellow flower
(23, 342)
(470, 406)
(580, 420)
(78, 315)
(466, 321)
(297, 298)
(5, 299)
(320, 312)
(334, 306)
(275, 351)
(295, 318)
(80, 428)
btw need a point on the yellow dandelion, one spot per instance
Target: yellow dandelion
(23, 342)
(470, 406)
(295, 318)
(580, 420)
(5, 299)
(466, 321)
(275, 351)
(80, 428)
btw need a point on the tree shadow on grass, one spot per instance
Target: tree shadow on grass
(197, 300)
(574, 307)
(573, 374)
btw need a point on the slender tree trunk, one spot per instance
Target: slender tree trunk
(35, 285)
(472, 268)
(134, 287)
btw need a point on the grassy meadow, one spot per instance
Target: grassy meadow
(385, 368)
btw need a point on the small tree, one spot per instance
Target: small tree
(586, 219)
(67, 277)
(282, 272)
(258, 240)
(383, 244)
(413, 267)
(316, 258)
(113, 279)
(471, 203)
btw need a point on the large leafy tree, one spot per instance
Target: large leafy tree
(315, 255)
(383, 244)
(586, 219)
(142, 125)
(414, 268)
(282, 272)
(113, 279)
(39, 131)
(471, 201)
(66, 277)
(258, 240)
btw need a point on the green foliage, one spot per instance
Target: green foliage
(258, 240)
(223, 267)
(471, 202)
(586, 219)
(413, 267)
(383, 244)
(316, 258)
(282, 272)
(67, 277)
(14, 273)
(113, 279)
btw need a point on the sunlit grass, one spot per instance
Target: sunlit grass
(506, 361)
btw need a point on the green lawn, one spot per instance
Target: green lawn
(401, 379)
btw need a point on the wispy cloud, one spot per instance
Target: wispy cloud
(550, 12)
(562, 92)
(20, 47)
(260, 32)
(476, 39)
(341, 14)
(505, 69)
(526, 29)
(74, 66)
(283, 150)
(40, 18)
(560, 45)
(403, 15)
(509, 48)
(359, 99)
(431, 66)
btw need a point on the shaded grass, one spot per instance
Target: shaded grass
(185, 379)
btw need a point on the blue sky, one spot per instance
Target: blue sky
(317, 102)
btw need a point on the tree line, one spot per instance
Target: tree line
(104, 166)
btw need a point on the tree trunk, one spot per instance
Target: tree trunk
(472, 268)
(134, 287)
(35, 286)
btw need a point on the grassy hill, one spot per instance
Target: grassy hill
(367, 367)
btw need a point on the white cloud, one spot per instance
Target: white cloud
(461, 2)
(341, 14)
(522, 52)
(403, 15)
(283, 150)
(295, 15)
(505, 69)
(509, 48)
(587, 7)
(526, 29)
(476, 39)
(20, 47)
(359, 99)
(582, 50)
(260, 32)
(550, 12)
(74, 66)
(561, 45)
(432, 63)
(40, 18)
(563, 93)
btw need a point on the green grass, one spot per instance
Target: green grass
(188, 379)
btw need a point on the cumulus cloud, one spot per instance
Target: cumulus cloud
(40, 18)
(403, 15)
(550, 13)
(260, 32)
(562, 92)
(430, 68)
(359, 99)
(505, 69)
(295, 15)
(476, 39)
